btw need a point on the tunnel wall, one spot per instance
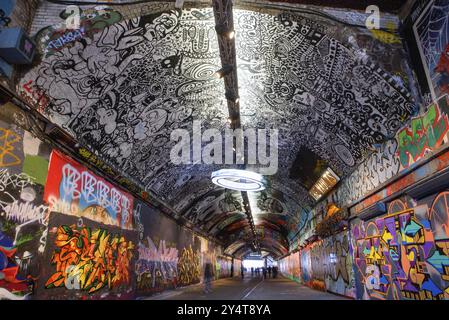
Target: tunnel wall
(400, 253)
(66, 233)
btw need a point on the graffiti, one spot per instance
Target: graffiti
(290, 266)
(13, 285)
(90, 259)
(53, 38)
(8, 139)
(65, 39)
(189, 268)
(34, 95)
(156, 267)
(74, 190)
(382, 165)
(123, 90)
(23, 212)
(403, 255)
(426, 133)
(327, 265)
(432, 35)
(14, 181)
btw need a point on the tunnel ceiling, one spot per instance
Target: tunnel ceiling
(332, 89)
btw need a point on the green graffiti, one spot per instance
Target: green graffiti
(425, 133)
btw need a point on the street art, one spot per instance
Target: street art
(87, 258)
(403, 255)
(123, 90)
(189, 268)
(74, 190)
(425, 134)
(8, 143)
(23, 214)
(222, 267)
(432, 35)
(290, 266)
(52, 39)
(327, 265)
(156, 267)
(13, 285)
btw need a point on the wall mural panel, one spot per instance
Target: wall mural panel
(403, 255)
(23, 214)
(290, 267)
(432, 36)
(74, 190)
(158, 254)
(327, 265)
(87, 260)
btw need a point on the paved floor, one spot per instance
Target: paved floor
(248, 289)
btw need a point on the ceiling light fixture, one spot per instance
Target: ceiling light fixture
(240, 180)
(325, 183)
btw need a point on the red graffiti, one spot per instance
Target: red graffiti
(37, 97)
(443, 68)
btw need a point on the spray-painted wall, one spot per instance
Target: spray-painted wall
(67, 233)
(327, 265)
(404, 254)
(23, 214)
(290, 267)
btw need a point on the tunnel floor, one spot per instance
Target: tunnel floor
(250, 288)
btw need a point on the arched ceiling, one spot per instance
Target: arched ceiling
(331, 88)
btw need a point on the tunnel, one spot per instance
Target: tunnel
(219, 149)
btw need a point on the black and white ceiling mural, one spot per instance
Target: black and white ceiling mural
(325, 86)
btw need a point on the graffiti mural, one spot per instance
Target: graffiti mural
(432, 36)
(23, 214)
(327, 265)
(121, 92)
(87, 260)
(74, 190)
(83, 24)
(156, 267)
(403, 255)
(290, 267)
(425, 133)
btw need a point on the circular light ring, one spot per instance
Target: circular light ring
(240, 180)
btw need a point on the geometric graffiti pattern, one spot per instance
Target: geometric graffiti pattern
(7, 140)
(404, 255)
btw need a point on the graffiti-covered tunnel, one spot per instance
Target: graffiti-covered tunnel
(152, 145)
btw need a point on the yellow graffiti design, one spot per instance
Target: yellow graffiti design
(189, 267)
(7, 139)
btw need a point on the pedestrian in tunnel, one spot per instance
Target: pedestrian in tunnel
(208, 276)
(264, 271)
(269, 272)
(252, 271)
(275, 272)
(243, 272)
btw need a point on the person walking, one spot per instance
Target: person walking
(264, 271)
(208, 276)
(269, 272)
(242, 272)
